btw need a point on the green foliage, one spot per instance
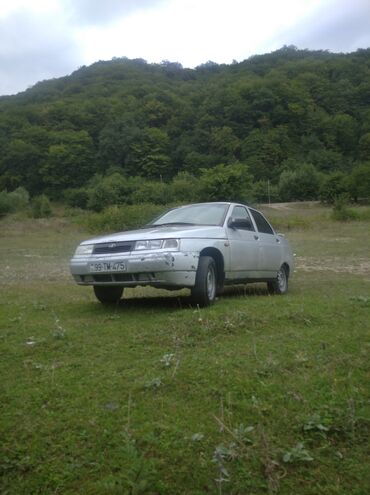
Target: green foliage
(5, 203)
(359, 182)
(226, 183)
(13, 201)
(76, 198)
(341, 212)
(158, 120)
(41, 207)
(333, 186)
(265, 192)
(185, 188)
(119, 218)
(152, 192)
(297, 454)
(301, 184)
(113, 189)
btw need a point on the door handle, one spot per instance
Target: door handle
(256, 237)
(277, 240)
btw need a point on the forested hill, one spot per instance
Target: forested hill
(274, 113)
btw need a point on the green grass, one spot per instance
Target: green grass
(257, 394)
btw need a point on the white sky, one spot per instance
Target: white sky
(42, 39)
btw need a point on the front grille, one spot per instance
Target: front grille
(113, 277)
(102, 278)
(113, 247)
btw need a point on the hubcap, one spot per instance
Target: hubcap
(211, 283)
(281, 279)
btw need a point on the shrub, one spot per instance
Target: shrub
(158, 193)
(333, 186)
(13, 201)
(299, 185)
(114, 189)
(263, 192)
(5, 203)
(19, 198)
(41, 207)
(119, 218)
(341, 212)
(226, 183)
(185, 188)
(76, 198)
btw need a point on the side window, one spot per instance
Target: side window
(262, 224)
(240, 212)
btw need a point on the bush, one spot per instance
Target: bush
(341, 212)
(114, 189)
(226, 183)
(13, 201)
(264, 192)
(19, 198)
(119, 218)
(41, 207)
(184, 188)
(5, 203)
(299, 185)
(158, 193)
(333, 186)
(76, 198)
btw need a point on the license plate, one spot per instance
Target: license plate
(107, 266)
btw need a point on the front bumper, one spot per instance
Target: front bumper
(172, 269)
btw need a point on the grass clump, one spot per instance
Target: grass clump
(343, 213)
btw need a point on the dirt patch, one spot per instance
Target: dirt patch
(359, 266)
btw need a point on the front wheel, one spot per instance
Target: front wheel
(108, 295)
(280, 284)
(204, 290)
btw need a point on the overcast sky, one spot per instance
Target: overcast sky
(43, 39)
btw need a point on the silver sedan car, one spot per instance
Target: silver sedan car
(202, 247)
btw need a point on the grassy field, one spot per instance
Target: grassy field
(257, 394)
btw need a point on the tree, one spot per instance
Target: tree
(359, 181)
(69, 162)
(301, 184)
(226, 183)
(333, 186)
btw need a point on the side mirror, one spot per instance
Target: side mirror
(240, 223)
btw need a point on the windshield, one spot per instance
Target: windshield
(200, 214)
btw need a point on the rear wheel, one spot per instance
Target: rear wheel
(108, 295)
(280, 284)
(204, 291)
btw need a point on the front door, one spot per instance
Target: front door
(244, 248)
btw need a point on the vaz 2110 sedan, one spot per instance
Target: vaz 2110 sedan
(202, 247)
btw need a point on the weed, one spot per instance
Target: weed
(316, 423)
(297, 454)
(167, 360)
(154, 383)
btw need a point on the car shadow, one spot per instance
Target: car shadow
(182, 301)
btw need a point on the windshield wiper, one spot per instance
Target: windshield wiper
(166, 224)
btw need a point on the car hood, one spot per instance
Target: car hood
(165, 232)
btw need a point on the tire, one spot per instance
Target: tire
(280, 284)
(204, 291)
(108, 295)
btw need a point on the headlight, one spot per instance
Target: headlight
(84, 249)
(172, 244)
